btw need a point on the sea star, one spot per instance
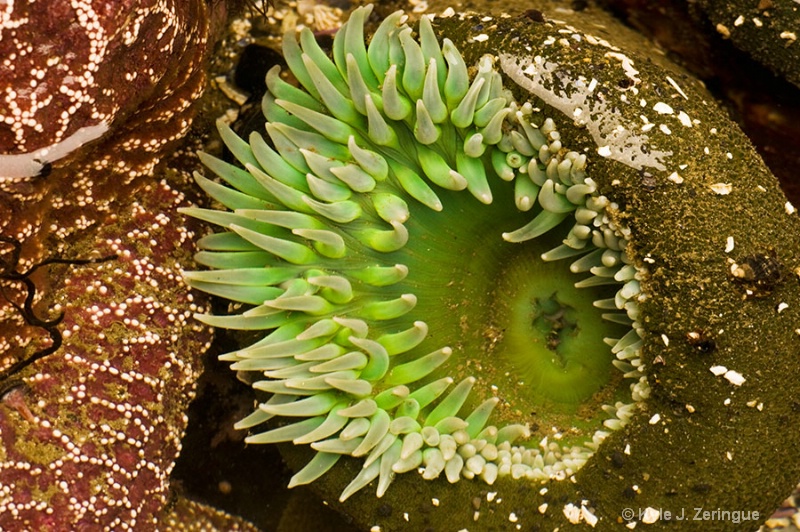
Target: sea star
(94, 94)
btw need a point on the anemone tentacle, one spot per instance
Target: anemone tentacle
(323, 225)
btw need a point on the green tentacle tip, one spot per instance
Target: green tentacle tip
(388, 239)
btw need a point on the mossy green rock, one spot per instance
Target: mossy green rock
(767, 30)
(716, 237)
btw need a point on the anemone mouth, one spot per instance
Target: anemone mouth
(516, 323)
(403, 243)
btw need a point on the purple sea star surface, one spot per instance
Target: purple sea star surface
(93, 95)
(108, 406)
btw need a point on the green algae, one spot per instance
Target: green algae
(42, 454)
(767, 31)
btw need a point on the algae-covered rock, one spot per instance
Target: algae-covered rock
(762, 99)
(187, 515)
(767, 30)
(390, 246)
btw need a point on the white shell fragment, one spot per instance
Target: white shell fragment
(729, 245)
(675, 178)
(588, 516)
(677, 87)
(734, 377)
(650, 515)
(718, 370)
(572, 513)
(25, 165)
(723, 189)
(663, 109)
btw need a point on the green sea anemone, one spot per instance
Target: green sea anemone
(402, 226)
(442, 284)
